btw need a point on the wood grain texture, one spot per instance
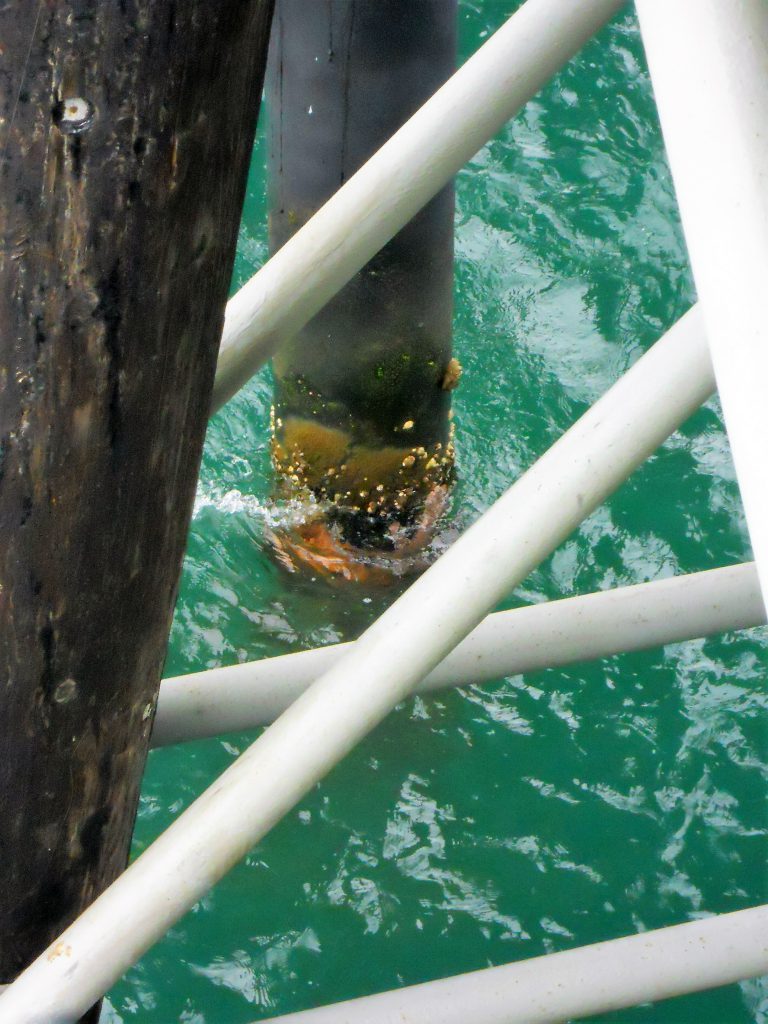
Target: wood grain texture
(118, 222)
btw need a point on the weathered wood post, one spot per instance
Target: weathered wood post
(125, 136)
(362, 393)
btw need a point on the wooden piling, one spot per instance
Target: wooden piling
(126, 131)
(362, 393)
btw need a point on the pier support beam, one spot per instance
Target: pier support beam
(125, 136)
(362, 393)
(398, 180)
(709, 72)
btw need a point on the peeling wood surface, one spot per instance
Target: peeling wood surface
(125, 135)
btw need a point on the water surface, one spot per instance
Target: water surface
(544, 811)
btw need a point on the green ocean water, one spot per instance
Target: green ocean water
(544, 811)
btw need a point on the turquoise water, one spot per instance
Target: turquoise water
(545, 811)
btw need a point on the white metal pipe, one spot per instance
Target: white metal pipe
(399, 179)
(544, 635)
(540, 510)
(709, 65)
(577, 983)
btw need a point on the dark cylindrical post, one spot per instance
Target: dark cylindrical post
(125, 135)
(362, 393)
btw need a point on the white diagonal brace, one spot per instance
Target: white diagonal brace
(399, 179)
(709, 66)
(537, 513)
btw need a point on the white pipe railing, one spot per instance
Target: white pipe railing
(709, 70)
(576, 983)
(544, 635)
(399, 179)
(538, 512)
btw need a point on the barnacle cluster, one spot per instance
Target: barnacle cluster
(384, 481)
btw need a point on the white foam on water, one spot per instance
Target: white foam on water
(273, 514)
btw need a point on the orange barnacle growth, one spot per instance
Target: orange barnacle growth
(399, 493)
(452, 375)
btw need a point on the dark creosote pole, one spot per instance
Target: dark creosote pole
(362, 394)
(126, 131)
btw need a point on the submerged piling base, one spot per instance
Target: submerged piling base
(371, 511)
(361, 429)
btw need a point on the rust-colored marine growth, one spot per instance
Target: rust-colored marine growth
(374, 511)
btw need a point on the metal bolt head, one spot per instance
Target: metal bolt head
(65, 691)
(73, 115)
